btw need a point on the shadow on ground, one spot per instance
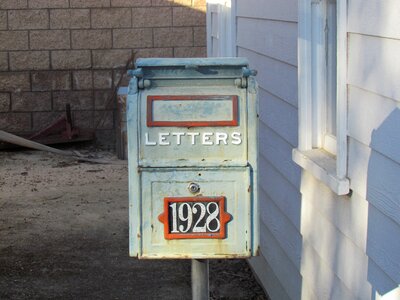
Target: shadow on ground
(64, 235)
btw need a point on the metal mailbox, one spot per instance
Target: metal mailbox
(192, 151)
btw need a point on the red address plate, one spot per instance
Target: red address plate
(194, 218)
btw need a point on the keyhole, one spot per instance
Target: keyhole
(193, 188)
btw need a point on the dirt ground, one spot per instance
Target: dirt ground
(64, 235)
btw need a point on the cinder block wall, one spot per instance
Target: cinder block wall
(54, 52)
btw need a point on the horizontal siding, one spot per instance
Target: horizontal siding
(376, 178)
(383, 245)
(357, 171)
(279, 153)
(285, 195)
(287, 273)
(383, 186)
(349, 216)
(285, 10)
(374, 17)
(374, 65)
(280, 116)
(282, 229)
(276, 77)
(343, 257)
(318, 277)
(275, 39)
(381, 281)
(268, 279)
(366, 113)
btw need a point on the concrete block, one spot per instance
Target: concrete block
(69, 18)
(51, 81)
(14, 82)
(132, 38)
(31, 101)
(79, 100)
(82, 80)
(91, 39)
(14, 40)
(71, 59)
(28, 19)
(111, 18)
(169, 37)
(29, 60)
(49, 39)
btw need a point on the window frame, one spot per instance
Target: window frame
(327, 167)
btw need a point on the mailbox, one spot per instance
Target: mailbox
(192, 151)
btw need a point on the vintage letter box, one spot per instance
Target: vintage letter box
(192, 145)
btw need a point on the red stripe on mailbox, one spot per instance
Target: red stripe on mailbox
(152, 123)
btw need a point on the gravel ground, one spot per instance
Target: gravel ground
(64, 235)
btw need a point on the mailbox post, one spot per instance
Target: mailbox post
(192, 150)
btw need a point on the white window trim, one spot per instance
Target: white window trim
(331, 170)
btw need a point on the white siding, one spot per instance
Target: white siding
(315, 244)
(267, 36)
(374, 130)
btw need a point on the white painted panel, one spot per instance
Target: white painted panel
(349, 215)
(285, 195)
(339, 253)
(366, 113)
(274, 39)
(383, 245)
(359, 156)
(279, 153)
(380, 281)
(268, 9)
(268, 278)
(386, 138)
(278, 78)
(383, 186)
(374, 65)
(280, 116)
(318, 275)
(287, 273)
(282, 229)
(374, 17)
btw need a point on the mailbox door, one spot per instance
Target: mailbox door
(232, 185)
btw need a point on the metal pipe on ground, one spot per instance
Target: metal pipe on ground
(17, 140)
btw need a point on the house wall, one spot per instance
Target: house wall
(54, 52)
(315, 244)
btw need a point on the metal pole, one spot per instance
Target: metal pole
(200, 285)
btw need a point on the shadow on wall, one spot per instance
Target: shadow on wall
(383, 195)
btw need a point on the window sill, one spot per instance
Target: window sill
(323, 166)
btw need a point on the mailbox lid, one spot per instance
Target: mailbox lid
(231, 183)
(187, 68)
(193, 126)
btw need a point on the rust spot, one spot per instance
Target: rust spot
(249, 189)
(257, 251)
(139, 236)
(152, 227)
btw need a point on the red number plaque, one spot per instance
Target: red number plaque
(194, 218)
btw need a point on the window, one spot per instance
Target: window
(322, 92)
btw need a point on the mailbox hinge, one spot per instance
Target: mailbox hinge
(243, 81)
(141, 83)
